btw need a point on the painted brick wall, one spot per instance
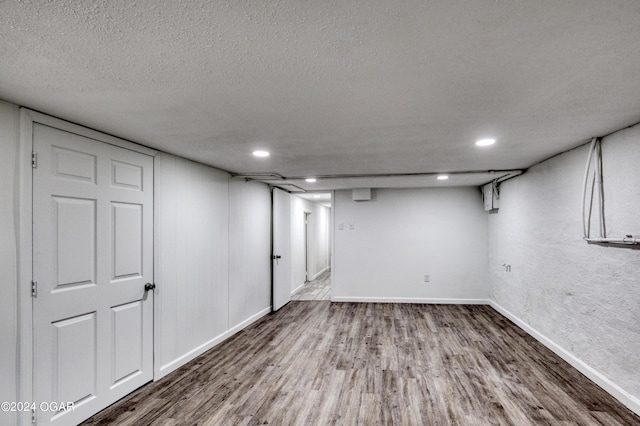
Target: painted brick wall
(585, 298)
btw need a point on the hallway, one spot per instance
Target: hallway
(318, 289)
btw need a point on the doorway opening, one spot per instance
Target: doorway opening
(312, 212)
(306, 246)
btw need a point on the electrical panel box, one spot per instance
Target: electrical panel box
(491, 197)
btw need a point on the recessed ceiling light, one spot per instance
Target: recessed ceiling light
(310, 180)
(485, 142)
(316, 196)
(261, 153)
(443, 177)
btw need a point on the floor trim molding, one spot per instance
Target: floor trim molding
(595, 376)
(297, 288)
(189, 356)
(317, 274)
(428, 301)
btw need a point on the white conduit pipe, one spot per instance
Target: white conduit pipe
(584, 189)
(599, 188)
(597, 185)
(626, 240)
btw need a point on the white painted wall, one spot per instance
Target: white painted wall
(321, 229)
(319, 220)
(250, 248)
(191, 259)
(402, 234)
(583, 298)
(298, 207)
(9, 131)
(212, 258)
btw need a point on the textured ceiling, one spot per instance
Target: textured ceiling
(331, 87)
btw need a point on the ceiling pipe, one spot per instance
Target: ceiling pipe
(507, 174)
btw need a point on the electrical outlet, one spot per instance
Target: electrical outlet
(427, 278)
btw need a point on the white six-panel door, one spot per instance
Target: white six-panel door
(92, 256)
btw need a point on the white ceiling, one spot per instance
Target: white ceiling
(335, 87)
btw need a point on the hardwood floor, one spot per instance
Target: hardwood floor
(374, 364)
(318, 289)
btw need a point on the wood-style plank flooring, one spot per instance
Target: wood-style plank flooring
(318, 289)
(317, 363)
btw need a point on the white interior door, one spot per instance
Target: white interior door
(92, 255)
(281, 280)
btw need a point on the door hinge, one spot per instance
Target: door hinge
(33, 416)
(34, 288)
(34, 160)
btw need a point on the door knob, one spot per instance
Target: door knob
(149, 286)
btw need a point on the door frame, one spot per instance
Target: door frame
(332, 241)
(24, 354)
(307, 275)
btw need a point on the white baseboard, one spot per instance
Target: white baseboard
(428, 301)
(317, 274)
(595, 376)
(297, 288)
(233, 330)
(194, 353)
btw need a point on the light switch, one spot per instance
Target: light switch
(340, 226)
(352, 226)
